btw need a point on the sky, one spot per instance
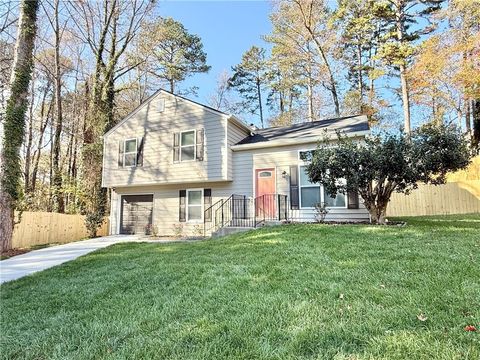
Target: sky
(227, 30)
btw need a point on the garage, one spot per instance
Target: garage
(136, 214)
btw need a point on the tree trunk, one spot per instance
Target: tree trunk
(260, 101)
(377, 211)
(333, 84)
(476, 123)
(360, 75)
(58, 201)
(403, 70)
(14, 121)
(28, 150)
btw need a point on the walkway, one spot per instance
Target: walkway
(37, 260)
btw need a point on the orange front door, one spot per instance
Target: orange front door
(265, 192)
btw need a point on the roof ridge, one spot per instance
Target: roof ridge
(312, 122)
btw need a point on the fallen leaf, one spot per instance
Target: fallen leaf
(470, 328)
(422, 317)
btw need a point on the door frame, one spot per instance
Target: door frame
(119, 208)
(255, 170)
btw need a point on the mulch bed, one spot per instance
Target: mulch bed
(13, 252)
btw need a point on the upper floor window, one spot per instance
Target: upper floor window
(188, 145)
(130, 152)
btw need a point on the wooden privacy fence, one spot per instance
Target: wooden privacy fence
(38, 228)
(461, 197)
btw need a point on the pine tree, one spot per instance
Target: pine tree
(249, 79)
(172, 53)
(398, 16)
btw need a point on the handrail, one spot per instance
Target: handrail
(242, 211)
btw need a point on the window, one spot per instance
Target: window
(306, 156)
(161, 105)
(187, 145)
(312, 194)
(309, 192)
(130, 154)
(195, 205)
(338, 201)
(265, 174)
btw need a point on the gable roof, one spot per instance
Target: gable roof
(160, 91)
(305, 132)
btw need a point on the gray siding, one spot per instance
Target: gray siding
(157, 129)
(281, 158)
(235, 135)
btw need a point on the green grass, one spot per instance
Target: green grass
(274, 293)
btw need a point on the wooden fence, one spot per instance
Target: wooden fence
(38, 228)
(461, 197)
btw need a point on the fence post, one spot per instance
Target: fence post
(278, 206)
(222, 211)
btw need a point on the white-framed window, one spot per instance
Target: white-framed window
(194, 205)
(314, 193)
(309, 192)
(188, 145)
(130, 153)
(161, 105)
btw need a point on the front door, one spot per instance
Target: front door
(265, 193)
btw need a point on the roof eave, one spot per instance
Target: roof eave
(285, 142)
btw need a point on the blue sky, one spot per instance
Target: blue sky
(227, 29)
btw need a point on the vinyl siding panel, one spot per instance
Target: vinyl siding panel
(166, 206)
(235, 135)
(157, 129)
(281, 158)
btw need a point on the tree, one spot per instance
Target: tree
(172, 53)
(249, 79)
(445, 75)
(221, 98)
(108, 28)
(398, 43)
(314, 18)
(392, 162)
(361, 33)
(14, 121)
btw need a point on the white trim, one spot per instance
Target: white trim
(159, 183)
(297, 141)
(130, 152)
(119, 200)
(196, 221)
(321, 189)
(162, 91)
(194, 145)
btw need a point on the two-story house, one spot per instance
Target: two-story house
(174, 164)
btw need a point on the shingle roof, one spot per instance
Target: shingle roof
(347, 124)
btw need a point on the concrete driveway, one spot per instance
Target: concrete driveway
(38, 260)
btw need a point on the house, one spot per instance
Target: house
(177, 166)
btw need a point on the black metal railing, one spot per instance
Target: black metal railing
(243, 211)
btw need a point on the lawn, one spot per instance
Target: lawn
(287, 292)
